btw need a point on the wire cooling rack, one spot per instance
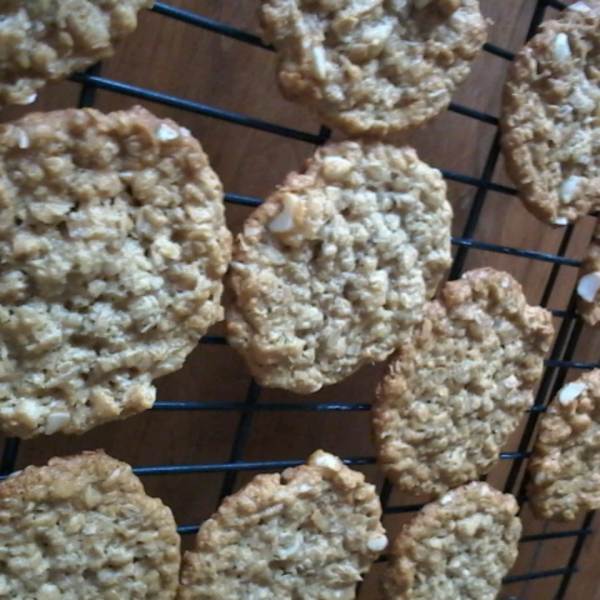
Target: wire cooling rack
(560, 360)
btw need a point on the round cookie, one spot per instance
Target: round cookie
(46, 40)
(373, 67)
(337, 264)
(113, 246)
(459, 547)
(588, 301)
(565, 462)
(83, 528)
(309, 533)
(458, 387)
(549, 122)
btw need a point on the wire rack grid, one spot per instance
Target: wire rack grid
(556, 366)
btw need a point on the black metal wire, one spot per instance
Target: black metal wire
(126, 89)
(562, 353)
(241, 438)
(572, 564)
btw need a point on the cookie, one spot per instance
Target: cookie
(458, 387)
(588, 301)
(308, 534)
(82, 528)
(113, 246)
(330, 272)
(459, 547)
(549, 122)
(47, 40)
(373, 67)
(564, 467)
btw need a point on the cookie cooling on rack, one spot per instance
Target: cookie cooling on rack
(309, 533)
(337, 264)
(457, 548)
(588, 300)
(113, 245)
(46, 40)
(460, 384)
(83, 528)
(549, 121)
(565, 463)
(373, 67)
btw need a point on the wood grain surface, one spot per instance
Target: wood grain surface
(180, 60)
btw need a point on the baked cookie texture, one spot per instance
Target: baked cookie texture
(588, 300)
(460, 546)
(565, 464)
(374, 67)
(46, 40)
(458, 387)
(113, 245)
(337, 264)
(82, 528)
(549, 117)
(308, 534)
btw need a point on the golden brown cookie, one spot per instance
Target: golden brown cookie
(113, 245)
(307, 534)
(82, 528)
(337, 264)
(373, 67)
(588, 304)
(46, 40)
(458, 387)
(457, 548)
(549, 122)
(565, 463)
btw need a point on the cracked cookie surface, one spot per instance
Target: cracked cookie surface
(565, 463)
(550, 118)
(82, 528)
(375, 67)
(46, 40)
(309, 534)
(459, 386)
(337, 264)
(460, 546)
(588, 285)
(113, 245)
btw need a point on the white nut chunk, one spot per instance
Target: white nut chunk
(284, 221)
(23, 139)
(378, 544)
(571, 391)
(569, 187)
(166, 133)
(320, 61)
(29, 100)
(55, 422)
(588, 286)
(562, 50)
(581, 7)
(327, 461)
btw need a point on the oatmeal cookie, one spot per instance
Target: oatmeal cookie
(308, 534)
(565, 463)
(588, 301)
(549, 121)
(82, 528)
(113, 246)
(458, 548)
(374, 67)
(337, 264)
(458, 387)
(46, 40)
